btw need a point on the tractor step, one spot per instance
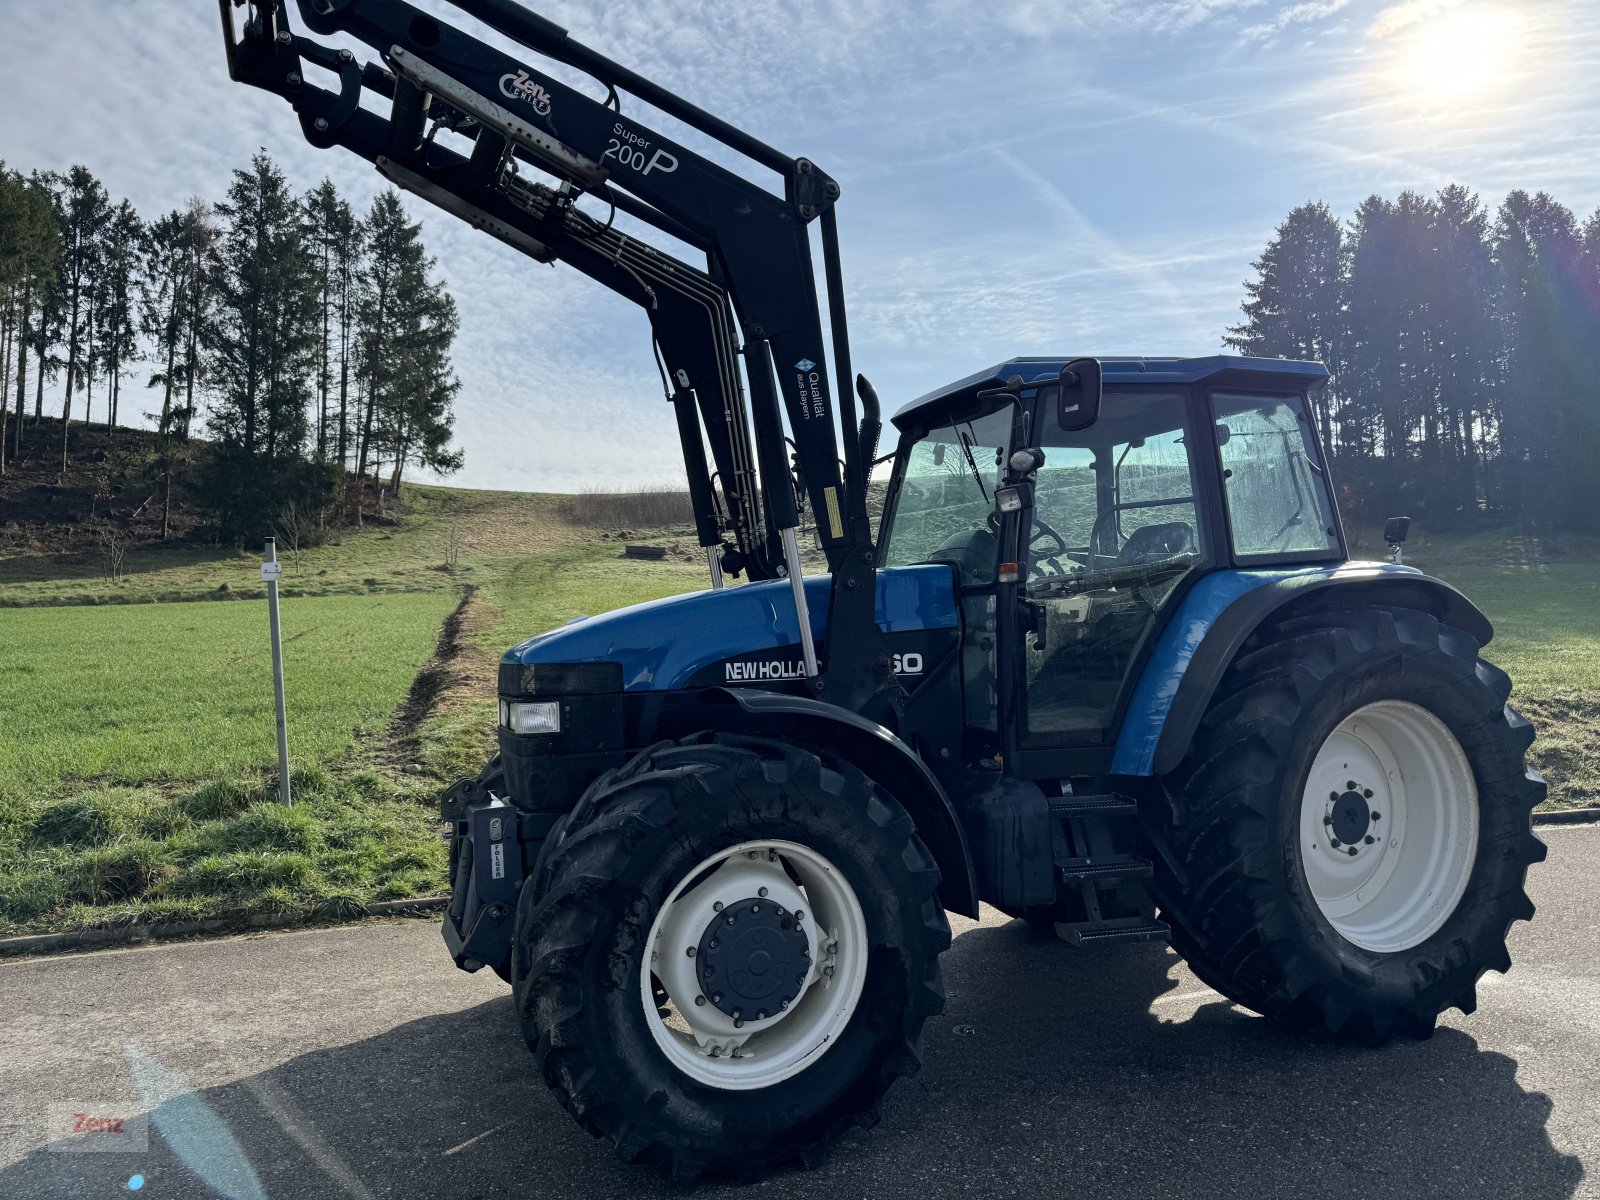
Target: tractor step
(1108, 805)
(1106, 867)
(1116, 932)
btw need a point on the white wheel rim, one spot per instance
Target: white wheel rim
(761, 1048)
(1393, 784)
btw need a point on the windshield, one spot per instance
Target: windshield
(945, 502)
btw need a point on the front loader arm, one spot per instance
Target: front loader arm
(757, 245)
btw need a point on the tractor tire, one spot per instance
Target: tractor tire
(640, 906)
(1344, 847)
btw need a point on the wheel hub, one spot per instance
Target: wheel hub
(754, 959)
(761, 951)
(1350, 819)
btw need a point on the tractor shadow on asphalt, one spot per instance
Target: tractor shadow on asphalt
(1052, 1072)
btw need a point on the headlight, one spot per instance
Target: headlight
(531, 716)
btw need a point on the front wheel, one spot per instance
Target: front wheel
(733, 956)
(1347, 839)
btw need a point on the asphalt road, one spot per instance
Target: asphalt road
(354, 1062)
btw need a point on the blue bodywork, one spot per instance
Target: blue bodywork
(1184, 631)
(662, 643)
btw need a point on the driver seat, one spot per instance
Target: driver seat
(1155, 543)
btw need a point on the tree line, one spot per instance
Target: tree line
(310, 344)
(1463, 347)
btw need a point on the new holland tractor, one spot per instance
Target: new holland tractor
(1101, 661)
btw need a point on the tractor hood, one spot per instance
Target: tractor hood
(745, 633)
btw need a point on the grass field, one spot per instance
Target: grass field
(1545, 605)
(484, 532)
(179, 692)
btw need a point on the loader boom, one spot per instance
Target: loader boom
(503, 121)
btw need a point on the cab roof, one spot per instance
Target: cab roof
(1227, 369)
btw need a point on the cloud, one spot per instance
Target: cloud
(1402, 16)
(1295, 14)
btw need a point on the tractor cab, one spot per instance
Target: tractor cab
(1191, 465)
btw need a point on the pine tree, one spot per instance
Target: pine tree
(1295, 305)
(331, 231)
(176, 303)
(124, 243)
(1547, 419)
(262, 348)
(87, 208)
(1465, 349)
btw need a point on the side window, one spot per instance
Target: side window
(1277, 496)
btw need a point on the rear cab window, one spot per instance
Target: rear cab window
(1278, 501)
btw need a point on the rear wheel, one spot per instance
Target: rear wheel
(733, 956)
(1347, 839)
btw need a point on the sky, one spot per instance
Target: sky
(1019, 177)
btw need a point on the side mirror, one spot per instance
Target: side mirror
(1078, 394)
(1395, 530)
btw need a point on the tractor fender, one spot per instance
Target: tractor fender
(1214, 622)
(879, 754)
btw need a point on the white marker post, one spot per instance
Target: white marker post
(271, 569)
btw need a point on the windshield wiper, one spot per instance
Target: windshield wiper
(967, 442)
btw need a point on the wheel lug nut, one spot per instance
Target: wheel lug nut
(1377, 816)
(730, 920)
(833, 947)
(699, 1000)
(690, 952)
(707, 972)
(717, 906)
(828, 970)
(800, 979)
(1353, 851)
(738, 1014)
(1335, 843)
(755, 908)
(1370, 839)
(715, 942)
(1367, 792)
(761, 891)
(761, 1014)
(784, 1003)
(755, 854)
(1350, 785)
(799, 914)
(716, 997)
(1327, 820)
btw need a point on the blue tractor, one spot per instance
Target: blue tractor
(1089, 648)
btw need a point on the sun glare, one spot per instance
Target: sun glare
(1460, 58)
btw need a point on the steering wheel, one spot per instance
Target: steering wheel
(1040, 529)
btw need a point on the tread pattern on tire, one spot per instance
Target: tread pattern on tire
(590, 899)
(1226, 871)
